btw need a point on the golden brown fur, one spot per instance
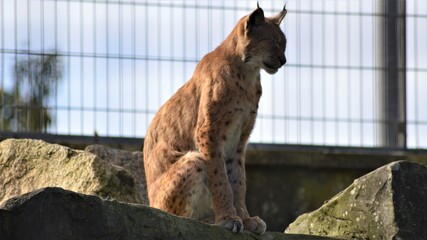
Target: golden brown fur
(194, 150)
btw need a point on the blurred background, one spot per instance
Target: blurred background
(353, 90)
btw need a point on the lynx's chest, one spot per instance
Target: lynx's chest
(244, 113)
(240, 127)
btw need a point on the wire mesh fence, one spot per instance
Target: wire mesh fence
(104, 67)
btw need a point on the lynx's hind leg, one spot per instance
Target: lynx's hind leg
(183, 189)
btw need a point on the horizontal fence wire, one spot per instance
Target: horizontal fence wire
(103, 68)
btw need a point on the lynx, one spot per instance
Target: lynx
(194, 150)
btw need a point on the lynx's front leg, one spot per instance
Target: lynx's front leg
(210, 141)
(237, 177)
(222, 198)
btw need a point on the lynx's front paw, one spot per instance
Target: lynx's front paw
(255, 225)
(233, 223)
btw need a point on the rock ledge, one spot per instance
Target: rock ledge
(54, 213)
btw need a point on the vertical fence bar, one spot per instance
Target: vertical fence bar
(390, 74)
(68, 67)
(82, 68)
(416, 66)
(172, 53)
(28, 106)
(56, 64)
(107, 64)
(159, 55)
(16, 106)
(121, 100)
(336, 80)
(298, 76)
(184, 40)
(311, 118)
(375, 122)
(286, 97)
(95, 69)
(362, 119)
(146, 48)
(323, 74)
(133, 12)
(43, 50)
(2, 127)
(349, 78)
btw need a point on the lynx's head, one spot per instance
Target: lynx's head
(262, 41)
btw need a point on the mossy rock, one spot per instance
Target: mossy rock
(388, 203)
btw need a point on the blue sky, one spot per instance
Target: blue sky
(324, 95)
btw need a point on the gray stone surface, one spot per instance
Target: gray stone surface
(131, 161)
(54, 213)
(27, 165)
(388, 203)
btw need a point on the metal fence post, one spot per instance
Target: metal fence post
(391, 73)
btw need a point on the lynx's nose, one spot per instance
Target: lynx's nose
(282, 61)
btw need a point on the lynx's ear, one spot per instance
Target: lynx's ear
(255, 18)
(277, 19)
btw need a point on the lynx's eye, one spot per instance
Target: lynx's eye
(280, 42)
(276, 42)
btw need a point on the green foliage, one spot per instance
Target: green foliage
(24, 108)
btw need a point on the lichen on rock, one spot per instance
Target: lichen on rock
(375, 206)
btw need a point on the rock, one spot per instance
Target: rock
(27, 165)
(130, 161)
(388, 203)
(54, 213)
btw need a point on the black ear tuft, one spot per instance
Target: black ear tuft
(255, 18)
(277, 19)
